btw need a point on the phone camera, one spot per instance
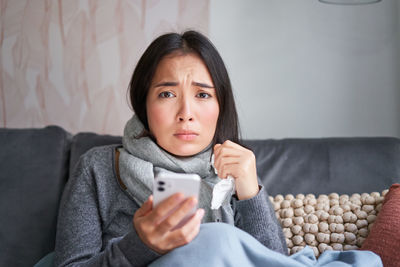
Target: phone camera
(160, 188)
(161, 182)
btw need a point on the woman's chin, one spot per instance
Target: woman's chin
(185, 150)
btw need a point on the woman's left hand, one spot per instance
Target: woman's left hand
(239, 162)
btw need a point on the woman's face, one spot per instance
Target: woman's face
(182, 106)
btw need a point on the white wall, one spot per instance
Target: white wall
(301, 68)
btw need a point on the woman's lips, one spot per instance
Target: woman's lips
(186, 136)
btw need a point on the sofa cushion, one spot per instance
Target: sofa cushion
(325, 165)
(33, 171)
(82, 142)
(326, 222)
(384, 238)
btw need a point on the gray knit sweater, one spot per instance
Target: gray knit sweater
(95, 225)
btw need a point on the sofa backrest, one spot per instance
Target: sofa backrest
(307, 165)
(326, 165)
(33, 172)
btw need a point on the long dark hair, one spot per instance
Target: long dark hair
(188, 42)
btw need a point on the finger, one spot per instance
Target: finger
(188, 232)
(230, 169)
(222, 161)
(229, 143)
(145, 208)
(176, 217)
(166, 207)
(227, 151)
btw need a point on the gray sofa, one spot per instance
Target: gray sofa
(35, 164)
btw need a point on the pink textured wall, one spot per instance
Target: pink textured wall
(68, 63)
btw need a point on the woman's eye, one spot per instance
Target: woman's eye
(203, 95)
(166, 95)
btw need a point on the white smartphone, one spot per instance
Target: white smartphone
(166, 184)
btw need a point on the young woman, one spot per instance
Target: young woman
(184, 112)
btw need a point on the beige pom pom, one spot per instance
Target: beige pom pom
(368, 208)
(285, 204)
(308, 209)
(335, 219)
(355, 201)
(369, 200)
(322, 198)
(361, 214)
(351, 227)
(323, 206)
(296, 249)
(379, 200)
(299, 212)
(346, 207)
(287, 222)
(334, 202)
(350, 247)
(384, 192)
(337, 238)
(316, 251)
(310, 201)
(349, 237)
(310, 228)
(336, 228)
(378, 207)
(363, 232)
(287, 213)
(347, 216)
(289, 243)
(354, 207)
(311, 218)
(297, 203)
(375, 194)
(337, 246)
(361, 223)
(289, 197)
(324, 247)
(355, 195)
(278, 214)
(371, 218)
(310, 196)
(336, 210)
(297, 240)
(323, 238)
(279, 198)
(296, 229)
(298, 220)
(309, 238)
(300, 196)
(333, 196)
(323, 227)
(360, 241)
(277, 206)
(287, 232)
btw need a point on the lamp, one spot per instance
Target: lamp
(350, 2)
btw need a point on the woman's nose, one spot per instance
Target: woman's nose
(185, 111)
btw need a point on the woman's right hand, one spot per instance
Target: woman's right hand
(157, 231)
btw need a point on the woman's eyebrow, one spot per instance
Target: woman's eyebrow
(204, 85)
(166, 84)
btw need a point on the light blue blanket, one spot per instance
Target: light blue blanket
(220, 244)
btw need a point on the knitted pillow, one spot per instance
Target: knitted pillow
(334, 222)
(384, 238)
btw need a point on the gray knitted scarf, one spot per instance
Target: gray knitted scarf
(141, 157)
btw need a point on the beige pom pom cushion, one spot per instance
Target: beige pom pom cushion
(326, 222)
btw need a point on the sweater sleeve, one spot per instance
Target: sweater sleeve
(257, 217)
(79, 230)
